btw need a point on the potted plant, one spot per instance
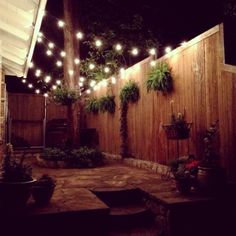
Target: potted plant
(43, 189)
(211, 176)
(15, 181)
(184, 171)
(178, 128)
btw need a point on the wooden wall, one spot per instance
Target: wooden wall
(27, 114)
(196, 71)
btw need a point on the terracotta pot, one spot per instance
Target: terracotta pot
(14, 195)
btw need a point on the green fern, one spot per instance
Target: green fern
(129, 93)
(92, 105)
(107, 103)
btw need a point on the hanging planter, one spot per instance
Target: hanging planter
(64, 96)
(107, 104)
(159, 78)
(92, 105)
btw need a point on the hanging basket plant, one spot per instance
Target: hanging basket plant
(64, 96)
(92, 105)
(159, 78)
(129, 93)
(107, 104)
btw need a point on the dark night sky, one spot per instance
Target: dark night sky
(171, 21)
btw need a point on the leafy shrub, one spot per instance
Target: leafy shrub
(129, 93)
(107, 103)
(64, 96)
(92, 105)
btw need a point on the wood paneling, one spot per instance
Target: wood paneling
(196, 72)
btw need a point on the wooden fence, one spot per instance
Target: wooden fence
(201, 86)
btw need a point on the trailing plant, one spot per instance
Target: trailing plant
(64, 96)
(92, 105)
(107, 103)
(159, 78)
(129, 93)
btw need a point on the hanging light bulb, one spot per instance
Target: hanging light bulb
(92, 83)
(95, 87)
(40, 34)
(71, 72)
(81, 84)
(37, 72)
(98, 43)
(118, 47)
(91, 66)
(113, 80)
(23, 81)
(37, 91)
(30, 85)
(51, 45)
(106, 69)
(168, 49)
(58, 82)
(63, 53)
(153, 63)
(59, 63)
(88, 91)
(49, 52)
(54, 87)
(79, 35)
(45, 95)
(39, 40)
(31, 65)
(76, 61)
(81, 79)
(47, 79)
(134, 51)
(61, 23)
(152, 51)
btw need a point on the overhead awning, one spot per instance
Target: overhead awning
(20, 21)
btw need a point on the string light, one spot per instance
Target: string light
(76, 61)
(98, 43)
(113, 80)
(92, 83)
(71, 72)
(61, 23)
(152, 51)
(118, 47)
(153, 63)
(47, 79)
(49, 52)
(91, 66)
(30, 85)
(79, 35)
(23, 81)
(51, 45)
(54, 87)
(40, 34)
(80, 84)
(37, 72)
(81, 79)
(106, 69)
(37, 91)
(63, 54)
(134, 51)
(88, 91)
(31, 65)
(168, 49)
(39, 40)
(45, 95)
(95, 87)
(59, 63)
(58, 82)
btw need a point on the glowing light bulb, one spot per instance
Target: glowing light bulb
(88, 91)
(95, 87)
(30, 85)
(49, 52)
(37, 91)
(92, 83)
(81, 79)
(39, 40)
(153, 63)
(61, 23)
(47, 79)
(118, 47)
(76, 61)
(81, 84)
(37, 72)
(58, 82)
(152, 51)
(45, 95)
(79, 35)
(51, 45)
(98, 43)
(134, 51)
(113, 80)
(106, 69)
(23, 81)
(40, 34)
(54, 87)
(31, 65)
(63, 54)
(59, 63)
(168, 49)
(91, 66)
(71, 72)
